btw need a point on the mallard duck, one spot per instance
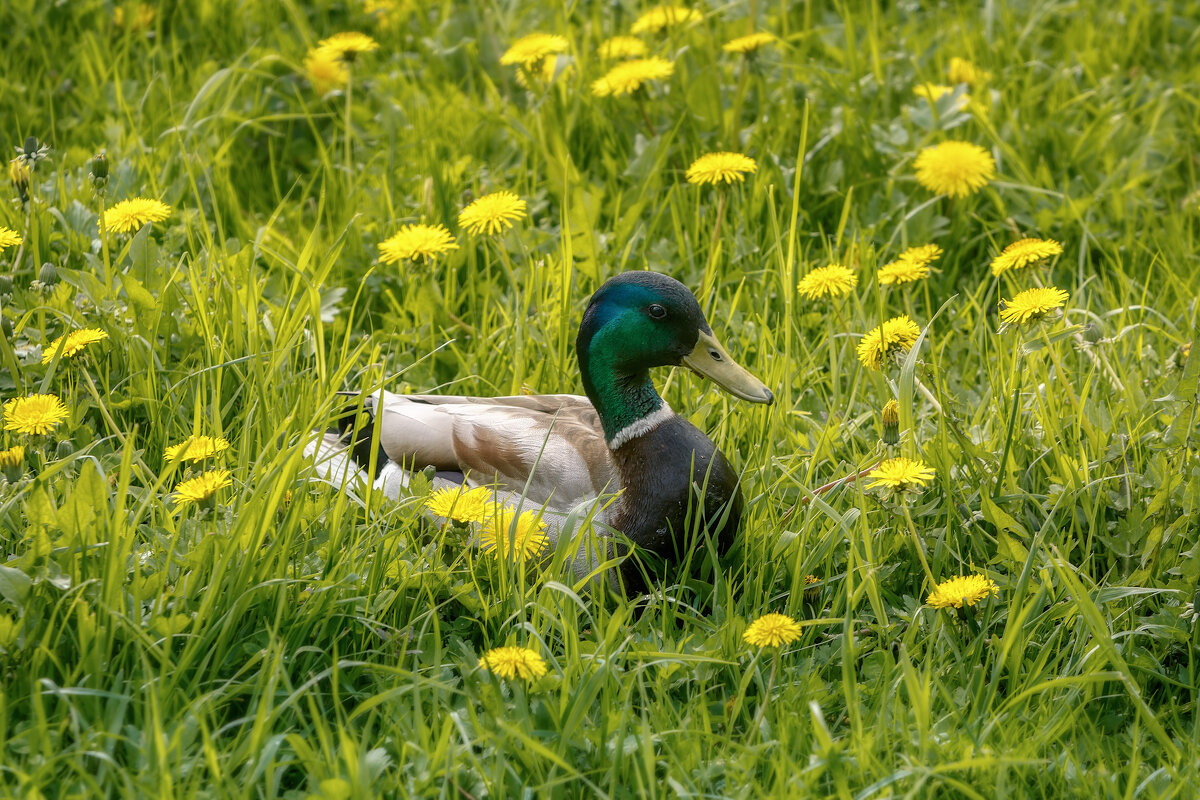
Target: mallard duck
(558, 451)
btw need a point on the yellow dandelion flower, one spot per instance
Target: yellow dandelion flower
(622, 47)
(416, 241)
(12, 457)
(834, 280)
(9, 238)
(772, 630)
(720, 167)
(965, 590)
(507, 534)
(202, 487)
(493, 213)
(143, 17)
(387, 13)
(529, 50)
(1025, 253)
(901, 474)
(890, 340)
(963, 71)
(514, 662)
(35, 414)
(462, 504)
(901, 271)
(72, 343)
(629, 76)
(1032, 305)
(911, 265)
(348, 44)
(132, 214)
(196, 448)
(955, 169)
(936, 91)
(932, 91)
(325, 70)
(749, 43)
(662, 17)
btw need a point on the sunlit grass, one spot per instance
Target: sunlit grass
(284, 639)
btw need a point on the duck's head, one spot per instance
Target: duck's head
(639, 320)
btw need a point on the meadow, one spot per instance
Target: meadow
(224, 624)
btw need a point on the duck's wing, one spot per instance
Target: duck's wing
(550, 447)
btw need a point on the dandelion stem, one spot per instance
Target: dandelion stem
(912, 529)
(706, 285)
(641, 103)
(349, 100)
(104, 250)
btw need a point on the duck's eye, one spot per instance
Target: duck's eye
(656, 311)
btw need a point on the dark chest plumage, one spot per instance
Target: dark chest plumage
(677, 484)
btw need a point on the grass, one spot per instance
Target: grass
(292, 642)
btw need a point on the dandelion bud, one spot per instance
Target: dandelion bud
(812, 589)
(891, 423)
(6, 327)
(99, 173)
(31, 146)
(18, 173)
(48, 274)
(6, 283)
(64, 449)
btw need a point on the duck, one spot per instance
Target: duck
(639, 469)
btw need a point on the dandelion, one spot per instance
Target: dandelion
(143, 17)
(901, 474)
(932, 91)
(9, 238)
(35, 414)
(890, 340)
(493, 213)
(132, 214)
(72, 343)
(20, 173)
(965, 590)
(748, 44)
(196, 448)
(720, 167)
(325, 70)
(348, 45)
(529, 50)
(911, 265)
(629, 76)
(202, 487)
(414, 242)
(812, 588)
(936, 91)
(622, 47)
(12, 457)
(834, 280)
(385, 12)
(890, 415)
(662, 17)
(772, 630)
(514, 662)
(505, 533)
(1024, 253)
(954, 168)
(472, 505)
(963, 71)
(1032, 305)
